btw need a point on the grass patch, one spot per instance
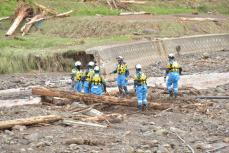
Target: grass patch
(43, 52)
(7, 7)
(33, 42)
(165, 10)
(221, 7)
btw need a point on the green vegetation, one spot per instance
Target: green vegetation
(7, 7)
(221, 7)
(165, 10)
(23, 54)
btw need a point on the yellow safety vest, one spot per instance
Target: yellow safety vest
(89, 75)
(121, 69)
(174, 67)
(97, 79)
(140, 79)
(78, 75)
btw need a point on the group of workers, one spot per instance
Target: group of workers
(92, 82)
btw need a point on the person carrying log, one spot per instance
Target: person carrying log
(123, 74)
(173, 71)
(140, 87)
(97, 83)
(77, 77)
(87, 76)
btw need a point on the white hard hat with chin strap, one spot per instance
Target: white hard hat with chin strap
(78, 63)
(119, 58)
(171, 56)
(91, 63)
(138, 67)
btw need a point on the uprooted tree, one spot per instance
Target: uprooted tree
(32, 13)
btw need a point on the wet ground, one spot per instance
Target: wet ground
(202, 124)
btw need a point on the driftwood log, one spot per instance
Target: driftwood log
(22, 13)
(94, 98)
(25, 29)
(40, 17)
(29, 121)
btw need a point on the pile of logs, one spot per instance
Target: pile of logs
(33, 15)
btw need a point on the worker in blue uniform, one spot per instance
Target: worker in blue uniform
(97, 83)
(140, 87)
(87, 76)
(123, 74)
(173, 71)
(77, 76)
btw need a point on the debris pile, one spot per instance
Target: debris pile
(32, 15)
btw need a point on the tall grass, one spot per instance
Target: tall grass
(44, 53)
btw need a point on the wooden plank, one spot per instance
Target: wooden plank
(29, 121)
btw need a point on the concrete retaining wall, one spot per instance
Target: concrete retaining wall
(147, 52)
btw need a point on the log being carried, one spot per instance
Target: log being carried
(94, 98)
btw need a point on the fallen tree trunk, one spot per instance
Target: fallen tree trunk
(51, 11)
(132, 2)
(25, 29)
(29, 121)
(65, 14)
(133, 13)
(23, 12)
(94, 98)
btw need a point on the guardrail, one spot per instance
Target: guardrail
(147, 52)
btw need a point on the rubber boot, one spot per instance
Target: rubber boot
(126, 91)
(170, 94)
(139, 108)
(145, 107)
(175, 94)
(120, 91)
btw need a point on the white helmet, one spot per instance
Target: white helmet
(138, 66)
(119, 58)
(91, 63)
(78, 63)
(171, 56)
(96, 69)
